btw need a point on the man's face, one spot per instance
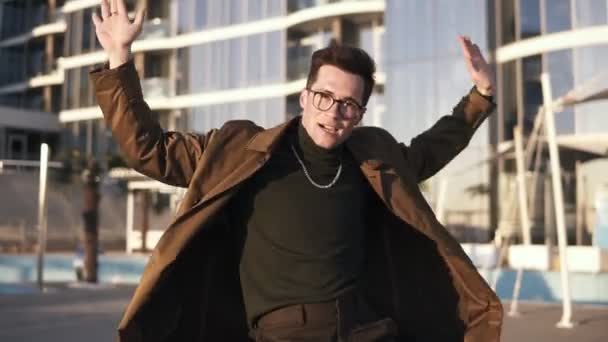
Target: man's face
(329, 128)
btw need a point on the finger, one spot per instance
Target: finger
(478, 50)
(105, 9)
(468, 41)
(96, 20)
(475, 52)
(471, 52)
(139, 17)
(479, 56)
(112, 7)
(121, 8)
(465, 47)
(470, 67)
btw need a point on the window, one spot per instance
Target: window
(529, 16)
(13, 18)
(84, 91)
(558, 16)
(88, 32)
(155, 65)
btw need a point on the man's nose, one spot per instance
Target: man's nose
(334, 111)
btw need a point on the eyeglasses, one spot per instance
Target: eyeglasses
(349, 109)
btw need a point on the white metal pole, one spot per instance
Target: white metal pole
(579, 202)
(44, 158)
(441, 198)
(523, 211)
(129, 227)
(521, 185)
(558, 199)
(514, 311)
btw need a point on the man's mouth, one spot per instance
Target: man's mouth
(328, 129)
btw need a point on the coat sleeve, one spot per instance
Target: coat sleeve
(430, 151)
(169, 157)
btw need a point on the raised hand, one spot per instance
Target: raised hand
(480, 71)
(115, 31)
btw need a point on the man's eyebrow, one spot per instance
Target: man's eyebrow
(345, 98)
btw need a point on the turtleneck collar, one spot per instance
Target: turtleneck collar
(313, 153)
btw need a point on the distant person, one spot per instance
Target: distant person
(90, 216)
(314, 230)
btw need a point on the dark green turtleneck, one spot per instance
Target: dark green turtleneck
(303, 244)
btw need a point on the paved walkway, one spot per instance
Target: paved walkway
(63, 314)
(69, 314)
(537, 323)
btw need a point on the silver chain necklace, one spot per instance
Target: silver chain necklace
(333, 182)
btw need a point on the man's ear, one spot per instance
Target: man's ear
(303, 98)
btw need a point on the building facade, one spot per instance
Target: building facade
(204, 62)
(426, 78)
(565, 39)
(522, 39)
(30, 43)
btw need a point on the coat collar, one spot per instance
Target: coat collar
(266, 140)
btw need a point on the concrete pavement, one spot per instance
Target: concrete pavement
(68, 314)
(63, 314)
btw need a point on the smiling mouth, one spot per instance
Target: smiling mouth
(328, 129)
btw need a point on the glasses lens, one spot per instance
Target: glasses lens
(323, 101)
(350, 110)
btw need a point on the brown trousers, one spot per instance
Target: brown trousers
(347, 319)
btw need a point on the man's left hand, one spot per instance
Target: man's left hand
(480, 71)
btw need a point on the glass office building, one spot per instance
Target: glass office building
(204, 62)
(30, 41)
(201, 63)
(522, 38)
(563, 39)
(426, 78)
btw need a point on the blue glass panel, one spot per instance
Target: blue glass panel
(590, 13)
(529, 16)
(559, 16)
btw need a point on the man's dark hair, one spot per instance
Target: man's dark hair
(348, 58)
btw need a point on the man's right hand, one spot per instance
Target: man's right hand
(116, 32)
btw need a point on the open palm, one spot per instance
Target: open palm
(478, 68)
(115, 31)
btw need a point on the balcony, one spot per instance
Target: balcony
(297, 5)
(156, 28)
(298, 62)
(28, 119)
(157, 87)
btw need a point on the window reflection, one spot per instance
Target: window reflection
(13, 18)
(264, 112)
(423, 64)
(234, 63)
(590, 13)
(13, 56)
(35, 58)
(298, 61)
(591, 117)
(196, 15)
(558, 16)
(529, 17)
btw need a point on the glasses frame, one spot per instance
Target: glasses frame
(334, 100)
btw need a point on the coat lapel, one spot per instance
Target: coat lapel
(260, 147)
(178, 233)
(401, 196)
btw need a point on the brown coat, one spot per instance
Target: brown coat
(415, 271)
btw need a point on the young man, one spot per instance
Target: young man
(313, 230)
